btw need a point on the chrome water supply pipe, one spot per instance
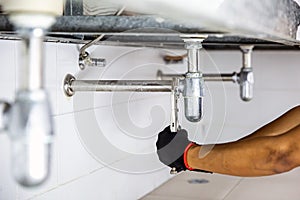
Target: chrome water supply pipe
(85, 60)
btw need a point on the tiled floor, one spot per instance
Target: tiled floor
(285, 186)
(219, 187)
(215, 187)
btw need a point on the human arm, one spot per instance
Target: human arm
(280, 125)
(273, 149)
(260, 156)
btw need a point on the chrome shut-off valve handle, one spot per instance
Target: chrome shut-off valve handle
(85, 60)
(246, 76)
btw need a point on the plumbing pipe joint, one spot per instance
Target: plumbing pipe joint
(193, 44)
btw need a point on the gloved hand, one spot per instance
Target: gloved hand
(172, 149)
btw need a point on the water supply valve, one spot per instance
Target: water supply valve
(85, 60)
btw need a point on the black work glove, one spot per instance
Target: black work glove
(171, 148)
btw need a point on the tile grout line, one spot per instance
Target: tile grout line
(232, 189)
(66, 183)
(73, 179)
(99, 107)
(16, 67)
(57, 150)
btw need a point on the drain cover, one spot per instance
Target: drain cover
(198, 181)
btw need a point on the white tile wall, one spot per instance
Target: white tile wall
(276, 91)
(298, 32)
(77, 172)
(130, 122)
(8, 188)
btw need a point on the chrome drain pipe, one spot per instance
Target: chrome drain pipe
(232, 77)
(245, 78)
(28, 120)
(30, 125)
(72, 86)
(193, 83)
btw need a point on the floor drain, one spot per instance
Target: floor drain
(198, 181)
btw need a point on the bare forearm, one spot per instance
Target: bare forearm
(236, 159)
(256, 157)
(281, 125)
